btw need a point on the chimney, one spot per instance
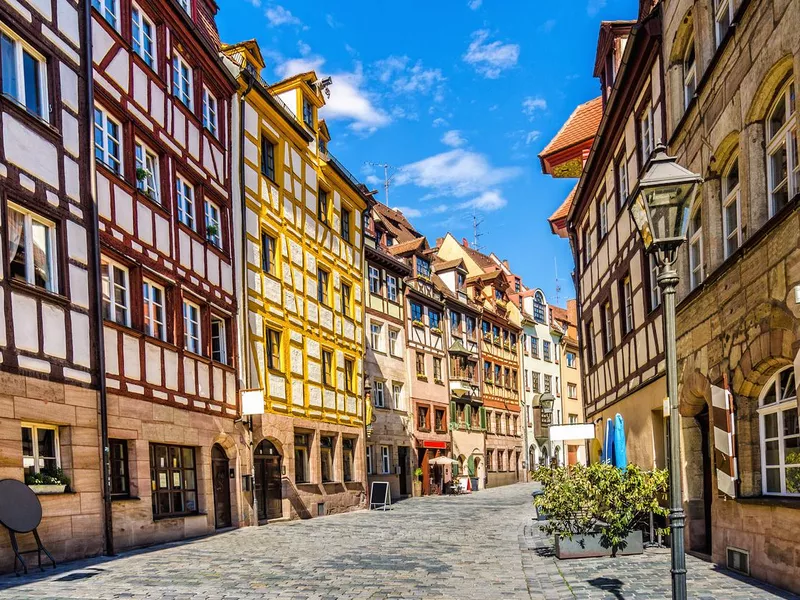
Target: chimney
(505, 262)
(439, 242)
(464, 242)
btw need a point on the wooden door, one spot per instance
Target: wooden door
(222, 487)
(402, 458)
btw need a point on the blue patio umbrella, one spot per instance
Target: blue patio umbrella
(608, 443)
(620, 451)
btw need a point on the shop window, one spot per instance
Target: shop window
(348, 447)
(326, 450)
(173, 478)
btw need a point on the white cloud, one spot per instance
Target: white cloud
(406, 78)
(408, 212)
(594, 7)
(532, 136)
(533, 103)
(373, 180)
(453, 138)
(439, 122)
(488, 201)
(255, 3)
(332, 22)
(490, 59)
(295, 66)
(455, 172)
(547, 26)
(440, 208)
(474, 4)
(278, 15)
(303, 48)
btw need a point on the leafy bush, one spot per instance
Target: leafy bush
(50, 476)
(600, 499)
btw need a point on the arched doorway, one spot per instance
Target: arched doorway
(220, 476)
(544, 458)
(268, 485)
(480, 472)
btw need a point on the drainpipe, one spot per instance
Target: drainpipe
(94, 219)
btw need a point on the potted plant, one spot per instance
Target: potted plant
(418, 481)
(598, 510)
(212, 231)
(142, 174)
(418, 323)
(48, 481)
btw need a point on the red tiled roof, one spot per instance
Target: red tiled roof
(581, 126)
(444, 265)
(409, 246)
(557, 219)
(396, 223)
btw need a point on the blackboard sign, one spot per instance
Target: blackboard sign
(379, 495)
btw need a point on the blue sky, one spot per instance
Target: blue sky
(459, 96)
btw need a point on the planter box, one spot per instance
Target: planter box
(588, 546)
(48, 489)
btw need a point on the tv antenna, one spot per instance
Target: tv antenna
(558, 285)
(388, 174)
(476, 233)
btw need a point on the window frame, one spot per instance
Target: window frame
(394, 337)
(689, 72)
(621, 169)
(386, 460)
(197, 347)
(328, 368)
(375, 337)
(421, 372)
(645, 143)
(113, 266)
(374, 277)
(209, 208)
(101, 6)
(35, 427)
(301, 449)
(349, 375)
(150, 185)
(149, 58)
(379, 394)
(781, 406)
(391, 288)
(323, 287)
(269, 254)
(186, 202)
(149, 308)
(29, 217)
(782, 138)
(731, 195)
(156, 471)
(210, 112)
(696, 273)
(182, 80)
(608, 327)
(113, 162)
(345, 224)
(323, 206)
(627, 304)
(274, 353)
(346, 298)
(222, 337)
(21, 47)
(720, 8)
(122, 474)
(268, 162)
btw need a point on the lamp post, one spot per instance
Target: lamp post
(660, 209)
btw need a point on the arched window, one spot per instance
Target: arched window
(731, 212)
(689, 73)
(538, 307)
(723, 17)
(783, 172)
(780, 435)
(696, 246)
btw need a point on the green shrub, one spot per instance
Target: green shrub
(50, 476)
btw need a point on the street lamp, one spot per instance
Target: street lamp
(660, 209)
(546, 402)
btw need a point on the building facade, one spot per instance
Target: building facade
(49, 404)
(731, 79)
(577, 450)
(302, 252)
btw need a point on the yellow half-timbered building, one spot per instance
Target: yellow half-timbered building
(301, 262)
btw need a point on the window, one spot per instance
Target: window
(301, 474)
(210, 112)
(723, 17)
(107, 141)
(487, 371)
(397, 396)
(423, 268)
(32, 248)
(455, 323)
(153, 296)
(186, 5)
(655, 290)
(386, 467)
(147, 179)
(326, 458)
(391, 287)
(608, 328)
(546, 351)
(645, 134)
(440, 424)
(375, 336)
(434, 318)
(782, 162)
(416, 312)
(369, 460)
(587, 245)
(487, 329)
(348, 445)
(322, 286)
(379, 399)
(780, 435)
(422, 417)
(116, 293)
(24, 74)
(346, 299)
(322, 206)
(182, 81)
(345, 225)
(498, 375)
(535, 346)
(374, 281)
(118, 456)
(496, 334)
(308, 112)
(40, 449)
(535, 381)
(622, 180)
(627, 305)
(213, 229)
(274, 349)
(498, 423)
(420, 363)
(471, 328)
(143, 37)
(572, 391)
(191, 327)
(490, 459)
(173, 479)
(267, 158)
(218, 341)
(602, 217)
(327, 368)
(538, 307)
(110, 11)
(185, 195)
(437, 369)
(689, 74)
(730, 208)
(591, 356)
(696, 247)
(548, 383)
(571, 360)
(393, 334)
(269, 263)
(507, 377)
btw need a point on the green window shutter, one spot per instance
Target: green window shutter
(467, 415)
(483, 417)
(452, 412)
(471, 466)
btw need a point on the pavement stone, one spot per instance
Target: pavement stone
(482, 546)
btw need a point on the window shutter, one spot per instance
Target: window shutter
(483, 417)
(468, 414)
(471, 466)
(724, 440)
(452, 412)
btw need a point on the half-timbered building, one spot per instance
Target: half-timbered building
(48, 402)
(162, 132)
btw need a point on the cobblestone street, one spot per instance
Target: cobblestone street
(480, 546)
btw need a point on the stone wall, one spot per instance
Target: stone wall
(72, 523)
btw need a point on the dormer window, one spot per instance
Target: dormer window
(389, 240)
(423, 267)
(323, 146)
(308, 112)
(498, 294)
(460, 281)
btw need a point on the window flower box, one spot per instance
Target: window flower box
(436, 330)
(417, 323)
(44, 488)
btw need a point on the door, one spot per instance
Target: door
(222, 487)
(708, 486)
(402, 458)
(268, 485)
